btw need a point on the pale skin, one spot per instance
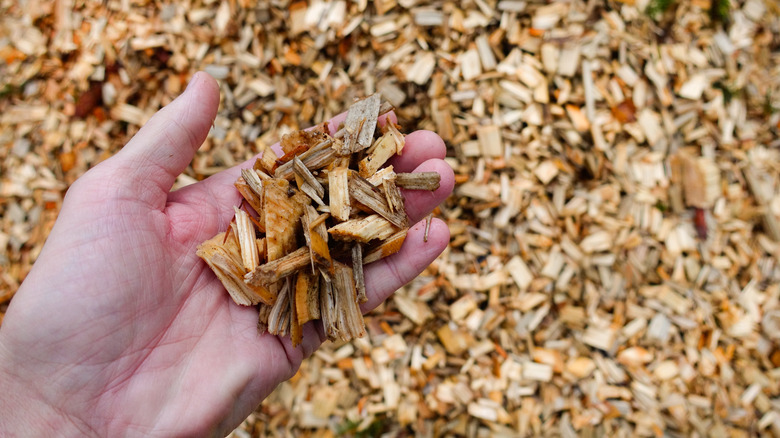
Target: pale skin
(119, 329)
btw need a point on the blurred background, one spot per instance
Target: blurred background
(613, 266)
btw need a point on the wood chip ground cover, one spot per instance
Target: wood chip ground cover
(613, 262)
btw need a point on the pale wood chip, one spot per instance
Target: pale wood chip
(316, 236)
(490, 141)
(328, 310)
(386, 173)
(377, 155)
(418, 180)
(338, 189)
(360, 125)
(246, 238)
(268, 160)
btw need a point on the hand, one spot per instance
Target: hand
(120, 329)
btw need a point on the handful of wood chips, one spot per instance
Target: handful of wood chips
(322, 210)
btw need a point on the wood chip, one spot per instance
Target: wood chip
(307, 301)
(308, 181)
(381, 151)
(490, 141)
(519, 272)
(224, 259)
(277, 269)
(338, 188)
(350, 319)
(282, 218)
(389, 246)
(360, 125)
(363, 229)
(357, 270)
(418, 180)
(246, 239)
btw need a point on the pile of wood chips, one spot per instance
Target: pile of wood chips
(613, 268)
(312, 244)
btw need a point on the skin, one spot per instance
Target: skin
(120, 329)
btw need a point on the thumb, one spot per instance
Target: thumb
(165, 145)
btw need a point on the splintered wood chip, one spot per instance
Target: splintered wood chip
(282, 214)
(363, 192)
(274, 271)
(316, 157)
(252, 194)
(360, 125)
(357, 270)
(224, 258)
(331, 206)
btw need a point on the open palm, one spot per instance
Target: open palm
(121, 330)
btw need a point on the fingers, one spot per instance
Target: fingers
(313, 337)
(420, 146)
(387, 275)
(419, 203)
(165, 145)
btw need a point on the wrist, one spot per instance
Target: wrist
(25, 413)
